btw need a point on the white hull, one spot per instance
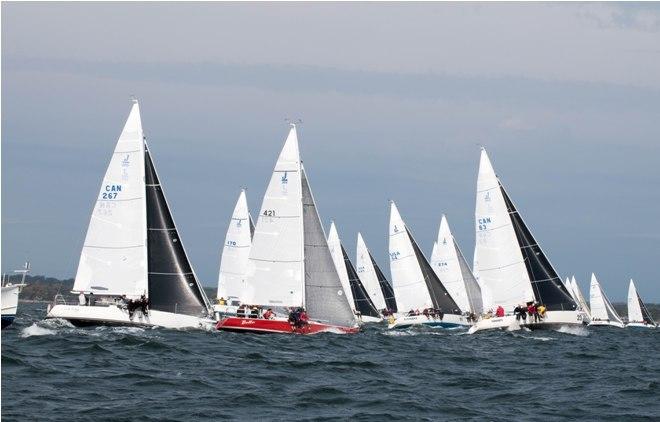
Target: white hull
(113, 315)
(604, 323)
(221, 311)
(448, 321)
(10, 299)
(370, 319)
(639, 325)
(553, 319)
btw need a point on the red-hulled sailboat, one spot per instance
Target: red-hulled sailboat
(290, 265)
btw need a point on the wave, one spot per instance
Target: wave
(580, 331)
(36, 330)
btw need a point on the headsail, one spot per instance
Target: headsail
(361, 298)
(235, 252)
(367, 274)
(325, 298)
(334, 243)
(601, 307)
(580, 297)
(113, 260)
(449, 264)
(275, 265)
(511, 263)
(173, 286)
(637, 311)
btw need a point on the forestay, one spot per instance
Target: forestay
(113, 260)
(236, 251)
(275, 264)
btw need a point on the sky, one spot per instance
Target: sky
(395, 101)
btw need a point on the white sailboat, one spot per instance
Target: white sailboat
(132, 249)
(638, 315)
(290, 265)
(355, 292)
(421, 297)
(377, 286)
(579, 298)
(449, 264)
(234, 259)
(10, 294)
(512, 268)
(602, 311)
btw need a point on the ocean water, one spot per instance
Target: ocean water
(52, 371)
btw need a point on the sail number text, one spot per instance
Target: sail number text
(269, 213)
(111, 191)
(482, 223)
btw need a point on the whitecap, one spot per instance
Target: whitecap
(36, 330)
(573, 330)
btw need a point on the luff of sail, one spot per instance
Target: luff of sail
(325, 298)
(113, 260)
(367, 273)
(512, 265)
(173, 285)
(449, 264)
(275, 274)
(601, 307)
(334, 244)
(235, 251)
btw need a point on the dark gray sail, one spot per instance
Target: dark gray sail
(646, 315)
(439, 295)
(173, 286)
(251, 226)
(385, 287)
(547, 286)
(361, 298)
(324, 297)
(471, 286)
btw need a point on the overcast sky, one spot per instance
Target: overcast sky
(395, 100)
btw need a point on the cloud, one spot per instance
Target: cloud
(515, 123)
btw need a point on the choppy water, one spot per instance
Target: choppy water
(52, 371)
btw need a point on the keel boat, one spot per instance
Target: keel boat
(10, 293)
(451, 267)
(234, 260)
(358, 296)
(513, 270)
(378, 287)
(132, 251)
(638, 315)
(602, 311)
(579, 299)
(290, 265)
(421, 296)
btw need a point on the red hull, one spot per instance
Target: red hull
(279, 326)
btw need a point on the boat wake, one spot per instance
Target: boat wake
(580, 331)
(36, 330)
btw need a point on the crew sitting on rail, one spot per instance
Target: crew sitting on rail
(499, 312)
(254, 312)
(531, 310)
(240, 312)
(82, 300)
(541, 311)
(222, 301)
(269, 314)
(298, 318)
(520, 312)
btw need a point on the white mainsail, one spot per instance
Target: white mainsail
(410, 288)
(450, 266)
(634, 308)
(367, 273)
(601, 307)
(235, 252)
(113, 260)
(276, 264)
(569, 287)
(334, 244)
(498, 259)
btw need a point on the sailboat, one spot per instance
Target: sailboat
(512, 268)
(358, 296)
(602, 311)
(638, 315)
(133, 252)
(451, 267)
(10, 293)
(579, 299)
(290, 265)
(379, 289)
(421, 297)
(234, 259)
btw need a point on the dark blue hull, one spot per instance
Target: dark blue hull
(7, 320)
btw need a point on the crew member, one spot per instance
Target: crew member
(82, 300)
(269, 314)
